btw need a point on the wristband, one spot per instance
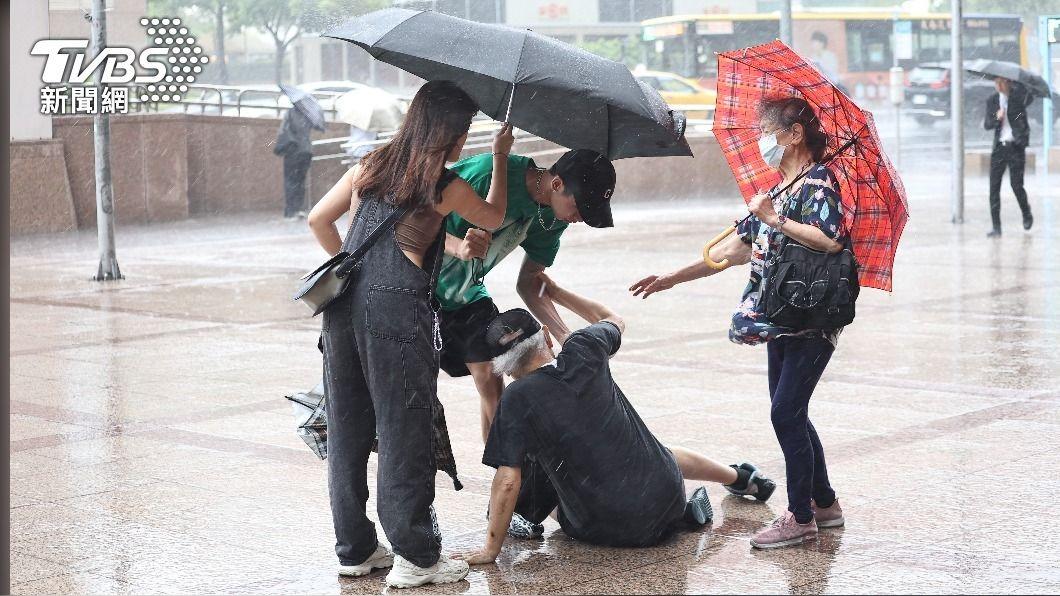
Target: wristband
(499, 153)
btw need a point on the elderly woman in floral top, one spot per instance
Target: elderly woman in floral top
(811, 213)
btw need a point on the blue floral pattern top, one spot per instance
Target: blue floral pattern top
(817, 204)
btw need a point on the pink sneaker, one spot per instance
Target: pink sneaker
(829, 517)
(785, 531)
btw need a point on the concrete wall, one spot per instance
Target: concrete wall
(173, 166)
(26, 120)
(169, 167)
(41, 200)
(149, 167)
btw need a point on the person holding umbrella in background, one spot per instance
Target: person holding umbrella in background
(292, 142)
(1006, 115)
(808, 161)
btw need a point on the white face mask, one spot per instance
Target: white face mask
(771, 152)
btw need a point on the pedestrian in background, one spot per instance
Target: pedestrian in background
(1006, 115)
(381, 335)
(292, 142)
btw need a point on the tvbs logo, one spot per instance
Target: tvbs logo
(159, 72)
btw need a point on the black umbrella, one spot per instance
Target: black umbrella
(1011, 71)
(306, 104)
(561, 93)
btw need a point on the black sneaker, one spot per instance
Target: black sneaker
(995, 233)
(698, 511)
(1028, 221)
(758, 486)
(520, 527)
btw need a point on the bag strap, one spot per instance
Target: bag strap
(355, 257)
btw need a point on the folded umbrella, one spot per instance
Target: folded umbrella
(306, 104)
(875, 207)
(1011, 71)
(310, 410)
(554, 90)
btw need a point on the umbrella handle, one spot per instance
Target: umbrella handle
(724, 263)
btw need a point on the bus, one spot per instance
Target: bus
(855, 48)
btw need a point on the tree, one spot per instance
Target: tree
(280, 18)
(214, 11)
(286, 20)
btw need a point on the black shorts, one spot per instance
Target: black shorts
(464, 336)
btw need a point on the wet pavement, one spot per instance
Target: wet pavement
(153, 452)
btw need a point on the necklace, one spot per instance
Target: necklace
(537, 195)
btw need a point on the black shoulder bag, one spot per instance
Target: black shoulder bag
(810, 289)
(327, 282)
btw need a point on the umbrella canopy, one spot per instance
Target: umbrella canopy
(370, 109)
(561, 93)
(874, 200)
(306, 104)
(310, 410)
(312, 419)
(1011, 71)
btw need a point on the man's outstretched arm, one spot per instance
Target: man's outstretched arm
(590, 310)
(537, 302)
(503, 496)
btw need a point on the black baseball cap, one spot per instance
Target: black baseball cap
(509, 328)
(590, 177)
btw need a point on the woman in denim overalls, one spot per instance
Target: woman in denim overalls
(379, 337)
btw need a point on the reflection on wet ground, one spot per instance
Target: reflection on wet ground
(153, 451)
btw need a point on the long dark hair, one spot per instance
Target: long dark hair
(407, 169)
(788, 111)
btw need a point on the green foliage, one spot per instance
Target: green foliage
(612, 48)
(321, 15)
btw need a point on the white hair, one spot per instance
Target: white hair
(519, 356)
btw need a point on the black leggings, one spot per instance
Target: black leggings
(795, 366)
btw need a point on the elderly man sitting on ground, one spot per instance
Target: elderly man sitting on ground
(565, 438)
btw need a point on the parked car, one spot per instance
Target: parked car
(927, 95)
(679, 91)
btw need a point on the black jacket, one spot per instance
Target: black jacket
(1018, 100)
(293, 136)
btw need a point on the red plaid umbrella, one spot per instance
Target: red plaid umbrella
(874, 200)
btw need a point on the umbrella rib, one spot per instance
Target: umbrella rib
(518, 64)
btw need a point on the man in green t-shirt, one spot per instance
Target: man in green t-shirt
(541, 203)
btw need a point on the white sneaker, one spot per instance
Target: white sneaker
(407, 575)
(380, 559)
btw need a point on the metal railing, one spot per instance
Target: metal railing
(230, 100)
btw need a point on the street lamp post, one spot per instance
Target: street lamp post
(957, 110)
(785, 23)
(108, 258)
